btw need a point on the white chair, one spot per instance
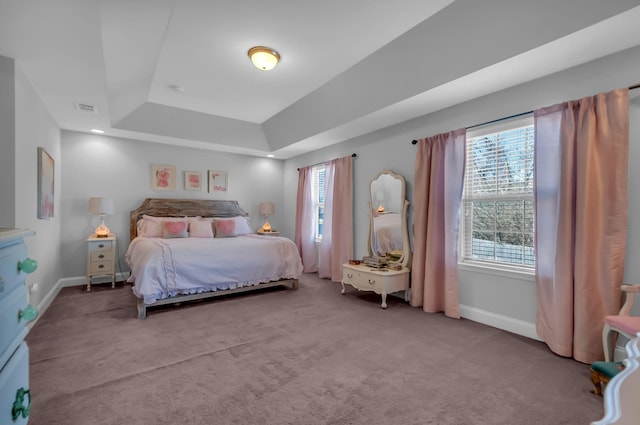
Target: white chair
(621, 323)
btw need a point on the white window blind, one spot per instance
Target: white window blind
(498, 201)
(318, 194)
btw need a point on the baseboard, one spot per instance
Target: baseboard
(516, 326)
(64, 282)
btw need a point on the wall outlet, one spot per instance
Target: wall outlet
(33, 288)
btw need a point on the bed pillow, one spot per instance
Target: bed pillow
(175, 229)
(200, 229)
(243, 225)
(225, 228)
(151, 226)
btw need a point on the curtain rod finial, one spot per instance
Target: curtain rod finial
(414, 142)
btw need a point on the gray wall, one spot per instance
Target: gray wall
(34, 127)
(121, 169)
(7, 142)
(505, 300)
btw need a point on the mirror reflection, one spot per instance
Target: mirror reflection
(388, 234)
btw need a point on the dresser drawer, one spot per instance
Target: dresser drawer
(101, 267)
(10, 273)
(12, 324)
(101, 255)
(15, 398)
(100, 246)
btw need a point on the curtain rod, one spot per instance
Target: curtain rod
(414, 141)
(353, 155)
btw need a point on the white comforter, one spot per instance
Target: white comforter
(161, 268)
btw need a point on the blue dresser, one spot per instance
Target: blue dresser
(15, 313)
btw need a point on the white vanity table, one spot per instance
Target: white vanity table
(388, 232)
(383, 282)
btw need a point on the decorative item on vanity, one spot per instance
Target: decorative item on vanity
(102, 206)
(15, 314)
(266, 209)
(385, 268)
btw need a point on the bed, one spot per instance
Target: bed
(186, 249)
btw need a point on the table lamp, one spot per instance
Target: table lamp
(102, 206)
(266, 209)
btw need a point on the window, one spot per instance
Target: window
(318, 192)
(498, 204)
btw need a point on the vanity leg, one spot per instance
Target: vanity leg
(343, 289)
(89, 284)
(384, 300)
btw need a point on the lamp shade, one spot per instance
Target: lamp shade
(266, 208)
(101, 206)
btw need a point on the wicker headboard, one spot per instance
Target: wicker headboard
(183, 207)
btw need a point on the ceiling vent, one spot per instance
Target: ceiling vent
(85, 107)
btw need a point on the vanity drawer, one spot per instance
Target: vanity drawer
(15, 397)
(11, 307)
(362, 280)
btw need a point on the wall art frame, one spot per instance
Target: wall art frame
(192, 180)
(46, 184)
(218, 181)
(163, 177)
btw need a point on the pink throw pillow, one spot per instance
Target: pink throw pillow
(225, 228)
(174, 229)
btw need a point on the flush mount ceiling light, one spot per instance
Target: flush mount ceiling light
(264, 58)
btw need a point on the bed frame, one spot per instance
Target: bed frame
(159, 207)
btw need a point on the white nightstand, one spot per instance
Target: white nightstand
(101, 258)
(271, 233)
(383, 282)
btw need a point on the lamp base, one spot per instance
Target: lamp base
(102, 236)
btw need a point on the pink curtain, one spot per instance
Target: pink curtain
(305, 234)
(437, 194)
(337, 238)
(581, 216)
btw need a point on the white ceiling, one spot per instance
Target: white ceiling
(348, 67)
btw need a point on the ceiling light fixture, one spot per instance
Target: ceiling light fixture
(264, 58)
(95, 130)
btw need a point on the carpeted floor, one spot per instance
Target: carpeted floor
(306, 356)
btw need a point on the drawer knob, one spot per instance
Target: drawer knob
(101, 266)
(19, 408)
(28, 265)
(349, 275)
(101, 245)
(28, 314)
(101, 256)
(372, 282)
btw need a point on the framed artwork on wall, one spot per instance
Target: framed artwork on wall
(163, 177)
(218, 181)
(46, 192)
(192, 180)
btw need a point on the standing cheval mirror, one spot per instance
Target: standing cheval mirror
(388, 230)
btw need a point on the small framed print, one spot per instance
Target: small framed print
(218, 181)
(192, 180)
(163, 177)
(46, 166)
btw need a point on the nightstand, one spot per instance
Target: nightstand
(380, 281)
(271, 233)
(101, 258)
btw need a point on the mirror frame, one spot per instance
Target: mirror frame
(406, 248)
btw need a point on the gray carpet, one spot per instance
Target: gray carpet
(282, 356)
